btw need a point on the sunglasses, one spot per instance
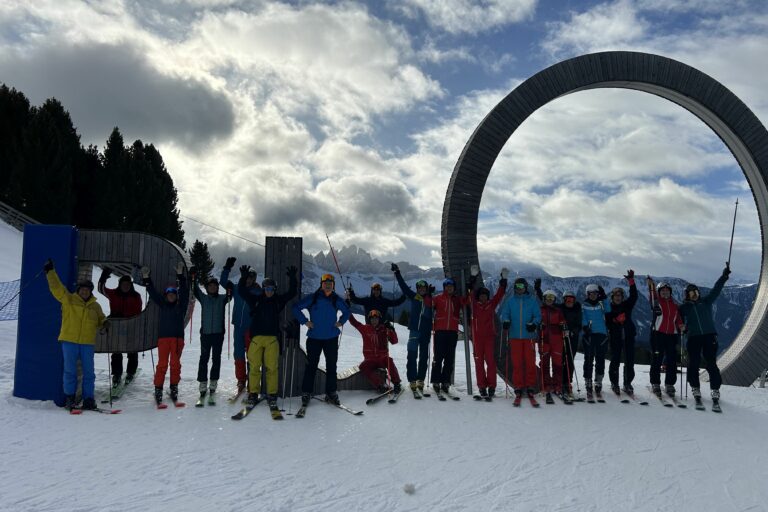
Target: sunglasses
(269, 288)
(171, 290)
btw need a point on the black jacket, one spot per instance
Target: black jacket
(265, 311)
(171, 323)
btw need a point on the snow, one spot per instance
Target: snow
(425, 455)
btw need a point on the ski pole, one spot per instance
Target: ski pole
(109, 374)
(335, 261)
(21, 289)
(229, 318)
(733, 229)
(293, 367)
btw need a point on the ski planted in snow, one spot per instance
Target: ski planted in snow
(340, 406)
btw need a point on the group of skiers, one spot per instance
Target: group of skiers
(528, 320)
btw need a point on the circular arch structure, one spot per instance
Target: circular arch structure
(679, 83)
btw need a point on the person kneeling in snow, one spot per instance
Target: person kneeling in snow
(170, 332)
(377, 336)
(81, 318)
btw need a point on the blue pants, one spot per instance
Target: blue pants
(239, 342)
(72, 352)
(418, 349)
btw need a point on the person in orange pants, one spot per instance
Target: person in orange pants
(520, 316)
(173, 309)
(376, 339)
(484, 332)
(552, 327)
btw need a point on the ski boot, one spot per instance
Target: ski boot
(129, 378)
(211, 392)
(252, 400)
(588, 386)
(696, 392)
(670, 390)
(438, 389)
(240, 386)
(203, 387)
(615, 389)
(518, 398)
(420, 385)
(656, 388)
(548, 398)
(446, 388)
(274, 410)
(158, 395)
(89, 404)
(397, 389)
(628, 389)
(69, 402)
(174, 392)
(305, 398)
(491, 393)
(483, 393)
(115, 381)
(332, 398)
(716, 401)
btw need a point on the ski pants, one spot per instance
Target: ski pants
(210, 348)
(445, 356)
(485, 361)
(523, 355)
(663, 346)
(370, 368)
(595, 350)
(552, 352)
(329, 347)
(239, 350)
(168, 349)
(117, 364)
(570, 345)
(626, 343)
(418, 350)
(263, 350)
(73, 352)
(706, 344)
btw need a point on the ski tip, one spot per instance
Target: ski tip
(162, 406)
(179, 405)
(75, 412)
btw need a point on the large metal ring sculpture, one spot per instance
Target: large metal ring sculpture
(698, 93)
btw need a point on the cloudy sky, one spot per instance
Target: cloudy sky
(301, 118)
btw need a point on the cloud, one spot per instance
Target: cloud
(107, 85)
(467, 16)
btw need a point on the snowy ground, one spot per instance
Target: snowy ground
(458, 455)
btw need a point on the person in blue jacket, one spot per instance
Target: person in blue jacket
(595, 340)
(324, 323)
(520, 316)
(419, 330)
(241, 319)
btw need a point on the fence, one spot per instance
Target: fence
(9, 300)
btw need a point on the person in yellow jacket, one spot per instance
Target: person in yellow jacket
(81, 319)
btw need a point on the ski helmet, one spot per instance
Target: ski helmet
(124, 279)
(549, 293)
(591, 288)
(618, 290)
(483, 291)
(375, 286)
(212, 280)
(268, 282)
(690, 288)
(662, 285)
(327, 277)
(251, 272)
(85, 283)
(421, 283)
(374, 313)
(171, 289)
(449, 282)
(523, 282)
(569, 293)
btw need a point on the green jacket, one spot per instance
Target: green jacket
(80, 319)
(698, 314)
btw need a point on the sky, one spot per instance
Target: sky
(347, 118)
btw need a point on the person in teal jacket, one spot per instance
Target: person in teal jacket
(212, 328)
(520, 317)
(702, 335)
(595, 340)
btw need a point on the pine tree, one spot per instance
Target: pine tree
(201, 259)
(15, 115)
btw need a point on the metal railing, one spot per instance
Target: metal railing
(14, 217)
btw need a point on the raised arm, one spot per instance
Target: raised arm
(715, 291)
(102, 285)
(183, 289)
(401, 282)
(58, 290)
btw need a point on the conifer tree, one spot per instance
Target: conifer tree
(201, 259)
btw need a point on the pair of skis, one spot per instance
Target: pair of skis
(303, 409)
(672, 402)
(631, 398)
(115, 392)
(444, 395)
(202, 401)
(531, 399)
(392, 397)
(79, 410)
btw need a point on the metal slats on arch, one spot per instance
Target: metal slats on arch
(695, 91)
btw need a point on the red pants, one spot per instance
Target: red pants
(485, 362)
(523, 355)
(370, 367)
(552, 351)
(168, 349)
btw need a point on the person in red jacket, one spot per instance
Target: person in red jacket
(666, 325)
(483, 329)
(124, 302)
(376, 339)
(551, 349)
(445, 325)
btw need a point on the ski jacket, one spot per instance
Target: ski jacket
(121, 304)
(520, 310)
(171, 320)
(484, 315)
(698, 315)
(240, 309)
(376, 340)
(552, 323)
(593, 313)
(265, 311)
(420, 319)
(323, 311)
(213, 308)
(619, 318)
(382, 304)
(572, 317)
(666, 316)
(80, 319)
(447, 309)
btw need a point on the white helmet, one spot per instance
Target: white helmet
(663, 284)
(550, 292)
(592, 288)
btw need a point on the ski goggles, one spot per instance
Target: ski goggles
(171, 289)
(376, 286)
(327, 277)
(374, 313)
(520, 286)
(269, 288)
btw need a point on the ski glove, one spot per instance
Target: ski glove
(431, 289)
(537, 283)
(48, 266)
(630, 275)
(394, 268)
(243, 271)
(656, 310)
(230, 262)
(179, 268)
(105, 273)
(727, 271)
(504, 273)
(505, 326)
(503, 282)
(291, 271)
(530, 327)
(145, 272)
(474, 270)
